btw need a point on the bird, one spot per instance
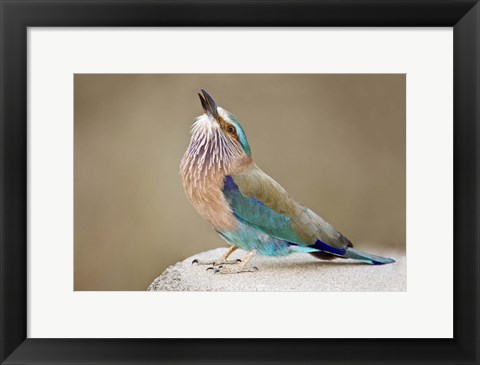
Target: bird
(247, 207)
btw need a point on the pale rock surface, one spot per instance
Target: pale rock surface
(296, 272)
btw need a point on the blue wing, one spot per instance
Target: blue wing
(252, 211)
(259, 201)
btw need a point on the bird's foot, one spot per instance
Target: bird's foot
(234, 269)
(237, 268)
(216, 262)
(221, 261)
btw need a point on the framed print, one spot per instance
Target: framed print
(367, 113)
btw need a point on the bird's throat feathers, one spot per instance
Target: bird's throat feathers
(210, 156)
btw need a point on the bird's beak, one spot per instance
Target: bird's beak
(209, 105)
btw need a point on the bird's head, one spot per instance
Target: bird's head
(216, 119)
(218, 142)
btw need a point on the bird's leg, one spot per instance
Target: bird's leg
(221, 261)
(239, 267)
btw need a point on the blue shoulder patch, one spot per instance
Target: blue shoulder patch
(253, 212)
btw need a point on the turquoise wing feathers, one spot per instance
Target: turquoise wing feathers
(253, 212)
(259, 201)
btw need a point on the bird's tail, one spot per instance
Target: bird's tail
(366, 257)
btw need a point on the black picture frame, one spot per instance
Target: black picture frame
(17, 15)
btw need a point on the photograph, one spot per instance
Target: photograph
(240, 182)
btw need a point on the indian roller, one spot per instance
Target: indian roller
(245, 206)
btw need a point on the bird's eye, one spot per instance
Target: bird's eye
(230, 129)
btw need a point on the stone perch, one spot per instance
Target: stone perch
(296, 272)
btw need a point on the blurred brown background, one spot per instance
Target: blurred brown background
(335, 142)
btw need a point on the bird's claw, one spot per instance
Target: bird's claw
(216, 262)
(225, 266)
(232, 269)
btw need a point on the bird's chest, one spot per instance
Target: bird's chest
(208, 199)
